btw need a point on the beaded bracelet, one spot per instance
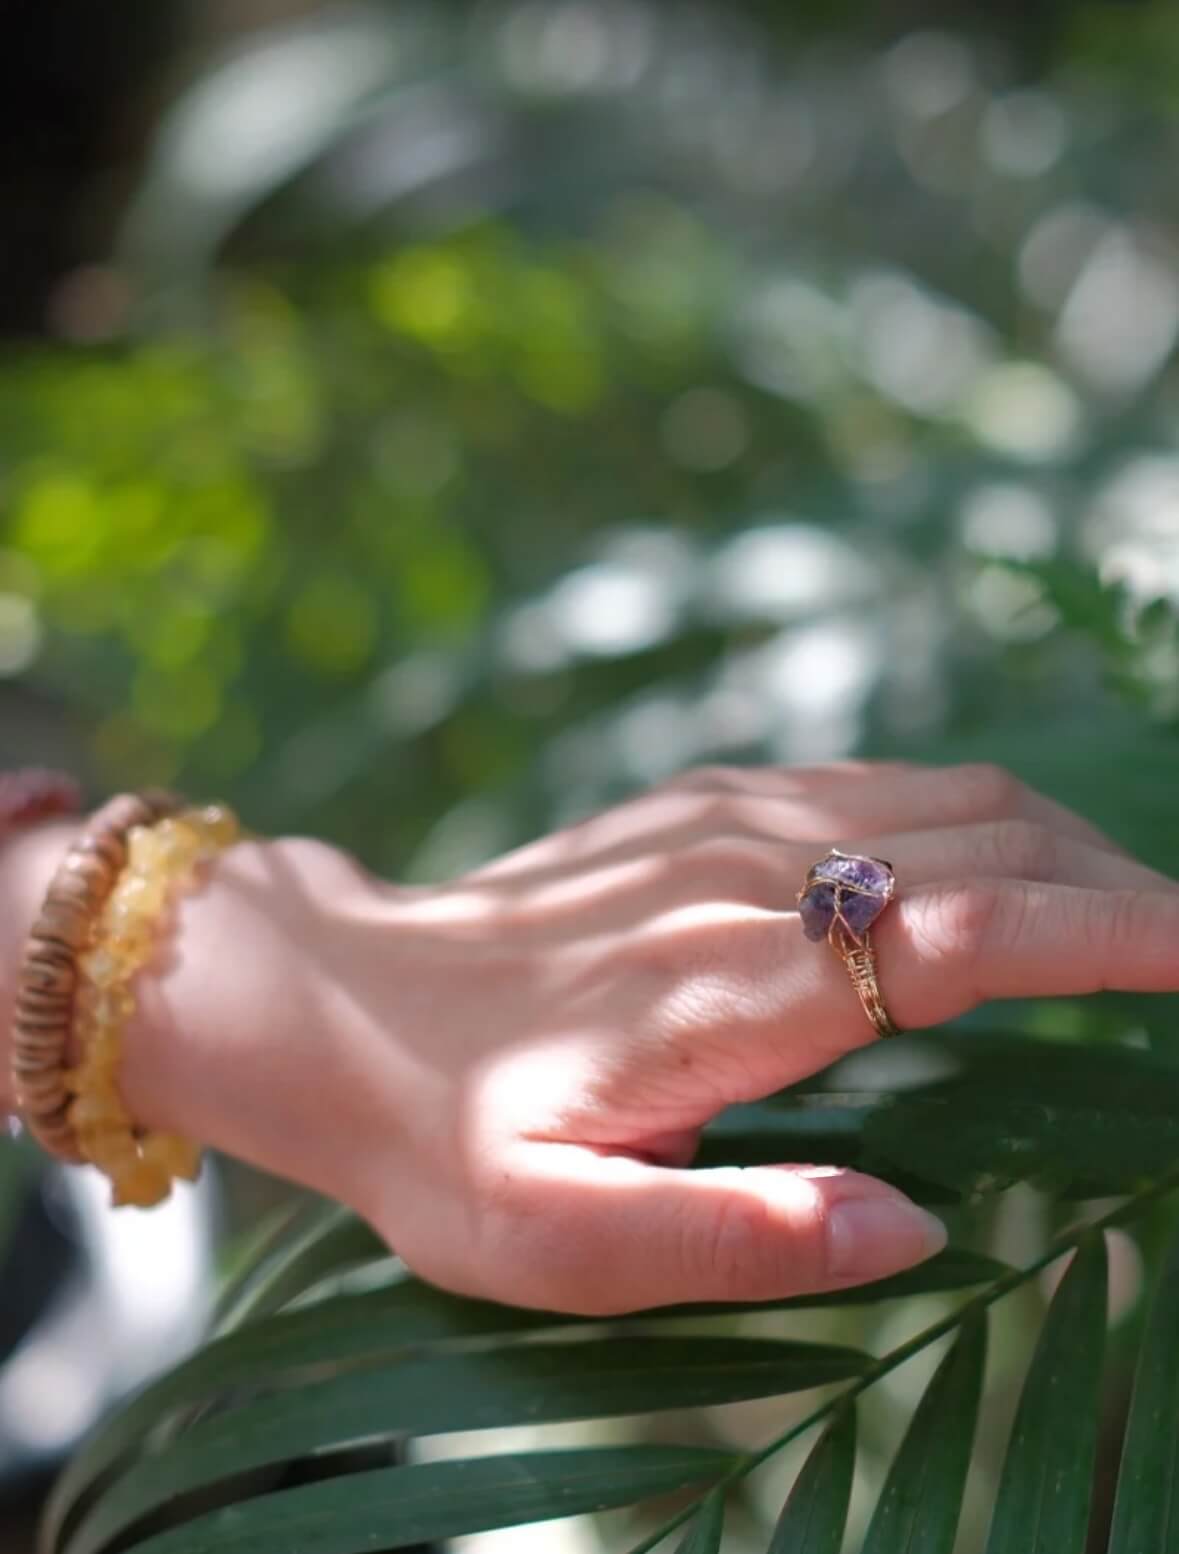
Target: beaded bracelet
(94, 933)
(34, 793)
(47, 983)
(161, 859)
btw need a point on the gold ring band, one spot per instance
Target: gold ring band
(860, 960)
(841, 898)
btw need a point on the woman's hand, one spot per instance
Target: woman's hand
(507, 1074)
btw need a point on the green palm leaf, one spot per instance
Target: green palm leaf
(331, 1240)
(424, 1395)
(344, 1330)
(1146, 1511)
(955, 1268)
(391, 1507)
(704, 1535)
(1046, 1484)
(1084, 1120)
(369, 1329)
(919, 1506)
(814, 1516)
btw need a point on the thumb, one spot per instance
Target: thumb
(598, 1234)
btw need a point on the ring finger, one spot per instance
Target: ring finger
(758, 1007)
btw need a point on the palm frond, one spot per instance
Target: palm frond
(388, 1508)
(217, 1453)
(708, 1525)
(1046, 1485)
(1146, 1511)
(815, 1513)
(921, 1501)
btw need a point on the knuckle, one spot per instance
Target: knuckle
(1025, 848)
(700, 963)
(536, 1257)
(962, 919)
(306, 861)
(744, 869)
(825, 781)
(724, 1249)
(816, 775)
(820, 774)
(989, 789)
(302, 852)
(658, 956)
(708, 779)
(719, 813)
(1113, 920)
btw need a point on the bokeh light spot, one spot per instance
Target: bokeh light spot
(20, 633)
(1026, 411)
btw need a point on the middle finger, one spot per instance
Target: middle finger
(766, 873)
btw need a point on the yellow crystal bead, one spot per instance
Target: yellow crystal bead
(143, 850)
(96, 1109)
(83, 1001)
(101, 1064)
(114, 1150)
(179, 843)
(101, 1147)
(97, 1134)
(109, 1149)
(141, 1184)
(116, 1156)
(110, 1007)
(217, 824)
(132, 947)
(92, 1139)
(102, 966)
(90, 1075)
(137, 895)
(178, 1156)
(127, 923)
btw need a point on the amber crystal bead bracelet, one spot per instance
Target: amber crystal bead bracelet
(163, 861)
(95, 932)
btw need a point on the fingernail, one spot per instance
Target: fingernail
(868, 1238)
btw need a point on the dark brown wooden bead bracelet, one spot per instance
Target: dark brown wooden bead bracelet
(47, 981)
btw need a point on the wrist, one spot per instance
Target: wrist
(253, 1027)
(262, 1022)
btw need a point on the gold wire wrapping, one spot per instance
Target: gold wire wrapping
(860, 959)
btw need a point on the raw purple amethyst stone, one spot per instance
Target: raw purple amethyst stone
(817, 910)
(855, 889)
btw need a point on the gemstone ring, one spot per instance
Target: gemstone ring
(842, 897)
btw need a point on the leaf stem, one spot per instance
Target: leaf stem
(1066, 1241)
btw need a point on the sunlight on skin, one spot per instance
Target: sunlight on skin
(507, 1074)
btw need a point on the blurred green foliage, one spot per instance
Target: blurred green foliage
(776, 414)
(510, 411)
